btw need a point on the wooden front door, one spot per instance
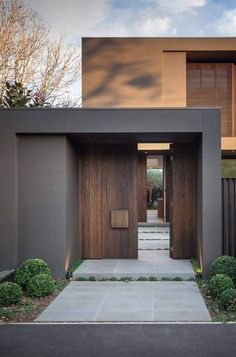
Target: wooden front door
(108, 195)
(183, 200)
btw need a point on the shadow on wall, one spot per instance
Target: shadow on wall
(121, 72)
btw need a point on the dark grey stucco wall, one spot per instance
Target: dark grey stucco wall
(46, 176)
(211, 190)
(199, 200)
(42, 199)
(47, 208)
(72, 204)
(8, 197)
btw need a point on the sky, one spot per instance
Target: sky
(79, 18)
(95, 18)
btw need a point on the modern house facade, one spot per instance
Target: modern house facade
(74, 182)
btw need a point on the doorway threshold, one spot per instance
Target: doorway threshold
(153, 224)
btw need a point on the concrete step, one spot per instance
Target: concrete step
(151, 263)
(153, 224)
(153, 244)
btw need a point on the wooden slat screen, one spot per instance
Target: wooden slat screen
(210, 84)
(229, 216)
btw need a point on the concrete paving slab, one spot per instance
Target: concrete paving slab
(155, 263)
(133, 301)
(153, 244)
(124, 316)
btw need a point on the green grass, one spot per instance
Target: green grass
(61, 284)
(196, 266)
(142, 278)
(81, 278)
(76, 263)
(125, 279)
(129, 278)
(177, 278)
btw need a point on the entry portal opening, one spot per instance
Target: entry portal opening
(153, 227)
(155, 189)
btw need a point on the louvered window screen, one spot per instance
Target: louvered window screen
(210, 84)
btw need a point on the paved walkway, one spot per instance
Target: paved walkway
(133, 301)
(154, 263)
(153, 260)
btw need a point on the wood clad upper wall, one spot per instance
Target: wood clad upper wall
(210, 84)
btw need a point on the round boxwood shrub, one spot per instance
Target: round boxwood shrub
(218, 283)
(29, 269)
(228, 299)
(41, 285)
(224, 265)
(10, 293)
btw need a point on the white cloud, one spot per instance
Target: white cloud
(179, 6)
(155, 26)
(99, 18)
(227, 23)
(73, 17)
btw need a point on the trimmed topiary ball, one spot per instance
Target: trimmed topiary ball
(29, 269)
(228, 299)
(41, 285)
(218, 283)
(10, 293)
(224, 265)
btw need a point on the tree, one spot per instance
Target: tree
(29, 56)
(17, 96)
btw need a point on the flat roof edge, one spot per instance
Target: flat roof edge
(109, 108)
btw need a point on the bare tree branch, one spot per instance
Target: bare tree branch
(28, 56)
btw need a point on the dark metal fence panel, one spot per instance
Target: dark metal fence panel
(229, 216)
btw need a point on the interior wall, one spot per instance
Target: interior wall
(108, 182)
(142, 187)
(167, 178)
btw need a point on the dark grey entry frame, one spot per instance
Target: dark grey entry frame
(151, 124)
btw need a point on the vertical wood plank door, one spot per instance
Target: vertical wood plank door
(108, 175)
(183, 192)
(120, 193)
(91, 200)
